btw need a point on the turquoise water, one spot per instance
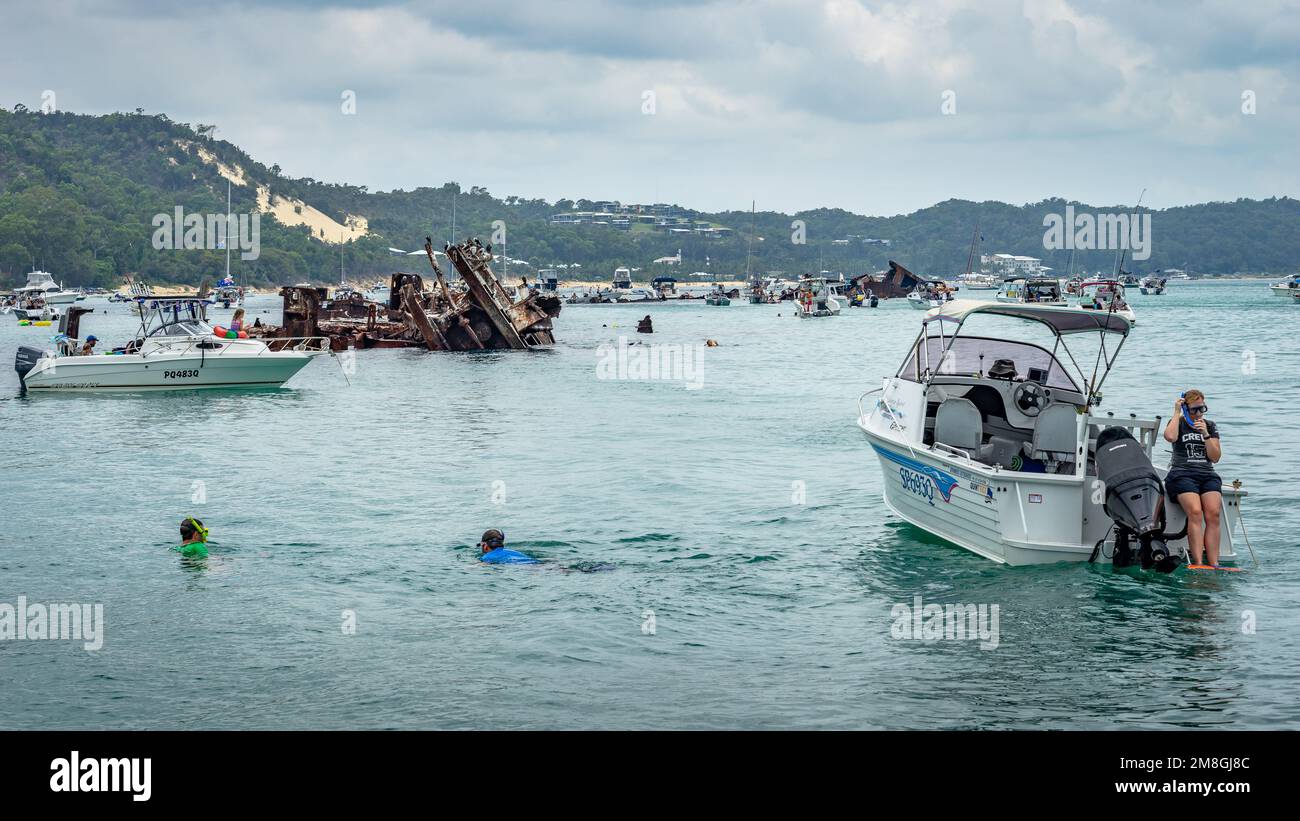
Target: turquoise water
(768, 613)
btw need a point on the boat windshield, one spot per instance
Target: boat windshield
(974, 355)
(182, 328)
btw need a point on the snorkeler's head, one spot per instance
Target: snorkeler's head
(492, 539)
(192, 526)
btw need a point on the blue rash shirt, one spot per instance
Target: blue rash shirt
(504, 555)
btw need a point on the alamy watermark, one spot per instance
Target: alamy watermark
(208, 232)
(668, 362)
(1099, 232)
(65, 621)
(953, 622)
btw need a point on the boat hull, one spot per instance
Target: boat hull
(136, 373)
(1008, 516)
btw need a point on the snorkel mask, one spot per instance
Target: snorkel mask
(198, 529)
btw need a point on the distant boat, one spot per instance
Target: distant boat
(1287, 287)
(1106, 295)
(717, 297)
(815, 299)
(1032, 291)
(1153, 286)
(42, 284)
(978, 282)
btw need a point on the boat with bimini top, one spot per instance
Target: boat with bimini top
(1032, 291)
(1106, 295)
(176, 350)
(993, 444)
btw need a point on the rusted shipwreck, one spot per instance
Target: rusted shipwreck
(895, 283)
(475, 313)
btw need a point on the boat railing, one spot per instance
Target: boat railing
(1146, 431)
(304, 344)
(958, 452)
(862, 414)
(203, 345)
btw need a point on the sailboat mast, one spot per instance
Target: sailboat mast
(1119, 258)
(227, 229)
(970, 257)
(750, 246)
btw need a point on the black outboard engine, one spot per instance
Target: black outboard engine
(1135, 501)
(26, 360)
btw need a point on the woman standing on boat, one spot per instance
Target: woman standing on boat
(1192, 479)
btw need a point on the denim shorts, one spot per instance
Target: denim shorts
(1187, 481)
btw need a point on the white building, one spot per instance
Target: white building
(1010, 265)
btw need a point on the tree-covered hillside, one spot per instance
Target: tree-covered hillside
(78, 194)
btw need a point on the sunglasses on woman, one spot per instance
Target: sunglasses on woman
(1197, 408)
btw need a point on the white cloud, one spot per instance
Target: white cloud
(799, 104)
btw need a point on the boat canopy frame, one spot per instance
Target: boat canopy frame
(158, 312)
(1061, 321)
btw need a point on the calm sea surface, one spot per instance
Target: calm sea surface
(326, 497)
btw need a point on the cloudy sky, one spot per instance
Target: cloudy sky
(839, 103)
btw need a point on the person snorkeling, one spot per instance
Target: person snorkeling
(494, 550)
(194, 539)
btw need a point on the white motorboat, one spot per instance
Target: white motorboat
(815, 298)
(41, 284)
(32, 307)
(1153, 285)
(1287, 287)
(228, 294)
(1032, 291)
(636, 295)
(176, 350)
(992, 444)
(1106, 295)
(930, 295)
(974, 281)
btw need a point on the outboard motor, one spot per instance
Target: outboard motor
(1134, 501)
(26, 360)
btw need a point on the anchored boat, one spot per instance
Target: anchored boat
(1035, 291)
(992, 444)
(42, 285)
(1153, 286)
(815, 299)
(176, 350)
(931, 294)
(1287, 287)
(1106, 295)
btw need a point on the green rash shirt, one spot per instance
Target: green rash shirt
(198, 549)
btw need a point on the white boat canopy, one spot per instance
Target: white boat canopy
(1062, 320)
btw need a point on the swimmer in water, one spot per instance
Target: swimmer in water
(494, 550)
(194, 539)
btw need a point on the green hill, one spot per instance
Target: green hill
(78, 194)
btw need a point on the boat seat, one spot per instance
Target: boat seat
(1056, 434)
(957, 424)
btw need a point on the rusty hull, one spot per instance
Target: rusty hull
(478, 316)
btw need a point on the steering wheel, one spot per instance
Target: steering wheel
(1030, 398)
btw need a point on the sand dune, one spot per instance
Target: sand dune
(287, 211)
